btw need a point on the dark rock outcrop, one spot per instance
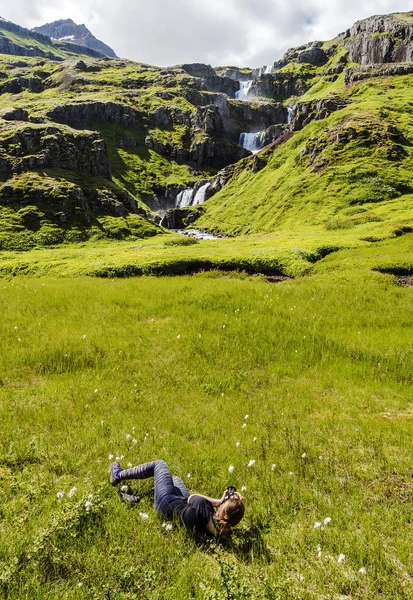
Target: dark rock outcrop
(84, 114)
(223, 85)
(236, 74)
(279, 85)
(353, 74)
(208, 119)
(305, 112)
(380, 39)
(37, 147)
(68, 31)
(14, 114)
(198, 70)
(273, 133)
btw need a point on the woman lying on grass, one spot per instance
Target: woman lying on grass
(172, 498)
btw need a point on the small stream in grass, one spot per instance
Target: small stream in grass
(198, 235)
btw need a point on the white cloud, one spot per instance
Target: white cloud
(167, 32)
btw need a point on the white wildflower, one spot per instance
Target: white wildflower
(144, 516)
(178, 337)
(255, 439)
(60, 495)
(86, 405)
(244, 425)
(96, 391)
(304, 455)
(168, 527)
(110, 456)
(79, 585)
(124, 489)
(237, 444)
(327, 520)
(362, 571)
(290, 473)
(246, 417)
(133, 429)
(134, 441)
(189, 475)
(244, 488)
(231, 468)
(251, 463)
(130, 465)
(320, 457)
(88, 505)
(273, 466)
(341, 558)
(102, 422)
(84, 337)
(317, 525)
(128, 436)
(319, 551)
(72, 492)
(202, 586)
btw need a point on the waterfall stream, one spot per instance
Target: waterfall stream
(252, 141)
(189, 197)
(184, 198)
(244, 90)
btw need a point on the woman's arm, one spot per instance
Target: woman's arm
(214, 501)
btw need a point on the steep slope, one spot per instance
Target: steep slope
(67, 30)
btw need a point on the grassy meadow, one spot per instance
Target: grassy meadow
(149, 367)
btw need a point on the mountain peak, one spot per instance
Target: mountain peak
(69, 31)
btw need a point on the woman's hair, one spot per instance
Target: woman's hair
(229, 514)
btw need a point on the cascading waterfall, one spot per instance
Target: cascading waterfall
(268, 69)
(252, 141)
(290, 110)
(200, 195)
(188, 197)
(244, 90)
(184, 198)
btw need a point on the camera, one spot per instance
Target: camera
(230, 492)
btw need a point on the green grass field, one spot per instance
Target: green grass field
(321, 364)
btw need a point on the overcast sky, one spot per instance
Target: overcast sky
(219, 32)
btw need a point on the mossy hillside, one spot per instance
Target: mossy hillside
(357, 161)
(144, 172)
(53, 206)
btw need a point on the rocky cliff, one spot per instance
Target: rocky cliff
(381, 39)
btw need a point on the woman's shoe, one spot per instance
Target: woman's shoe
(114, 473)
